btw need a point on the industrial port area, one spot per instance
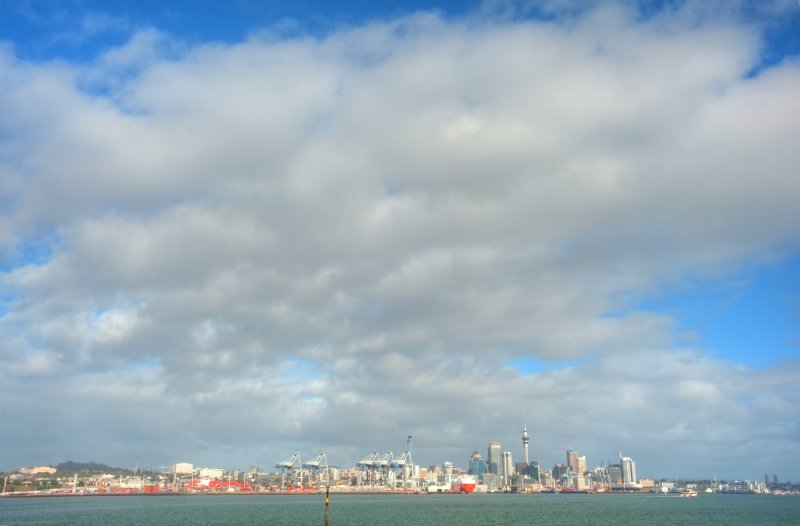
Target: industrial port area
(377, 472)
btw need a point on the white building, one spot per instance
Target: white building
(211, 473)
(579, 482)
(39, 470)
(628, 467)
(508, 468)
(183, 468)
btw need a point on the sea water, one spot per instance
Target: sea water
(479, 510)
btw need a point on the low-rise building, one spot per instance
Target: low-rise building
(183, 468)
(39, 470)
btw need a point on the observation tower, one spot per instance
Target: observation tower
(525, 440)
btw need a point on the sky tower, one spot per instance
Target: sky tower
(525, 440)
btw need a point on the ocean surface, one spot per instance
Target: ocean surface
(372, 510)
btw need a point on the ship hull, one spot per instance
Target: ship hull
(464, 485)
(467, 487)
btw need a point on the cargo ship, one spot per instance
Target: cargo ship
(465, 484)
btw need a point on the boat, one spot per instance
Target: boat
(465, 484)
(688, 493)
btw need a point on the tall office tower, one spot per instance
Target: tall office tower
(614, 474)
(766, 479)
(477, 466)
(508, 467)
(628, 467)
(775, 479)
(535, 472)
(572, 460)
(494, 457)
(581, 465)
(525, 439)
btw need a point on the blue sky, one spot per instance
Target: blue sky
(749, 317)
(77, 29)
(343, 209)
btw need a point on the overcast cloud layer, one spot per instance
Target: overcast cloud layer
(224, 254)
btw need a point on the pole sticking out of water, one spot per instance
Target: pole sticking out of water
(327, 503)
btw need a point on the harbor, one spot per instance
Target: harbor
(477, 509)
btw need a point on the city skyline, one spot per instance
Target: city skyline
(237, 231)
(504, 457)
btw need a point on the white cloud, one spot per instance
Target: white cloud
(374, 222)
(113, 326)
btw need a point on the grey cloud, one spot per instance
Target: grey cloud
(295, 235)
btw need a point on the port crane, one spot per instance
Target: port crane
(370, 464)
(319, 465)
(294, 467)
(385, 469)
(403, 464)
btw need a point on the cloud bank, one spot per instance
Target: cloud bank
(225, 253)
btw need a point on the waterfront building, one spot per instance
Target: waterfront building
(756, 487)
(183, 468)
(447, 473)
(614, 474)
(448, 468)
(494, 457)
(628, 467)
(492, 481)
(211, 473)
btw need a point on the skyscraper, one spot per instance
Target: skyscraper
(534, 472)
(572, 460)
(581, 465)
(628, 467)
(477, 466)
(508, 467)
(494, 457)
(558, 471)
(614, 474)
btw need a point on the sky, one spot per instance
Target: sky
(240, 230)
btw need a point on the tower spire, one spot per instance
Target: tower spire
(525, 438)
